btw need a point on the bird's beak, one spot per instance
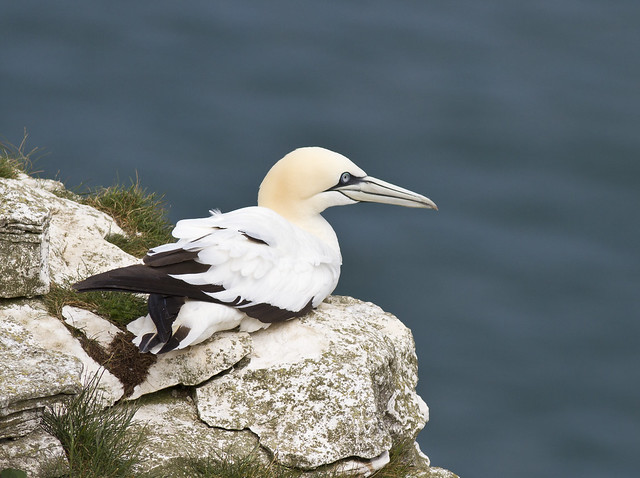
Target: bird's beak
(368, 189)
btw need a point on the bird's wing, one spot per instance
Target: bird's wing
(251, 259)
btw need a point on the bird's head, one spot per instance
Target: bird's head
(309, 180)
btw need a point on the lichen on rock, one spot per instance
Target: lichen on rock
(24, 241)
(337, 383)
(32, 378)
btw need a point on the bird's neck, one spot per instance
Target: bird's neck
(316, 225)
(319, 227)
(304, 214)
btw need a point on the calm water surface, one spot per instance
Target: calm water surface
(520, 119)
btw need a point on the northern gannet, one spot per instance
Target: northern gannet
(253, 266)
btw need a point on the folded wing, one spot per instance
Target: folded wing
(250, 259)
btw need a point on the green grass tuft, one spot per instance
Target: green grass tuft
(8, 168)
(15, 159)
(141, 215)
(117, 307)
(401, 459)
(120, 308)
(98, 443)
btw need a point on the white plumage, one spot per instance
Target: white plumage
(253, 266)
(259, 272)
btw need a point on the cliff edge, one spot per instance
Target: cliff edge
(333, 389)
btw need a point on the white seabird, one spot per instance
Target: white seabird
(253, 266)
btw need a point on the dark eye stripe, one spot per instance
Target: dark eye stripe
(346, 179)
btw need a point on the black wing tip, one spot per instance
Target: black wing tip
(92, 283)
(152, 340)
(87, 285)
(142, 279)
(145, 342)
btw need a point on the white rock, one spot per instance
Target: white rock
(91, 325)
(50, 334)
(196, 364)
(337, 383)
(363, 468)
(24, 241)
(33, 377)
(77, 247)
(30, 452)
(174, 431)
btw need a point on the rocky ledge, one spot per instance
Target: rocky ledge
(336, 387)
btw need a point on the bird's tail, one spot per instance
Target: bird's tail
(125, 279)
(142, 279)
(158, 335)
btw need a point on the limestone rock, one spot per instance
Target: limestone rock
(174, 431)
(337, 383)
(196, 364)
(32, 378)
(31, 452)
(91, 325)
(77, 247)
(363, 468)
(24, 241)
(49, 333)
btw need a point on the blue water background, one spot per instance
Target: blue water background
(520, 119)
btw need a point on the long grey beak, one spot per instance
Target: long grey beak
(368, 189)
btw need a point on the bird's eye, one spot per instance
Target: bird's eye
(345, 178)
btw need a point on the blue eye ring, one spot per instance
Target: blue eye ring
(345, 178)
